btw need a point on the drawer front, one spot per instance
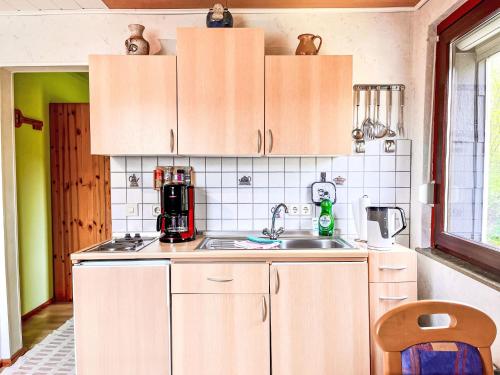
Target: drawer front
(220, 278)
(392, 266)
(384, 297)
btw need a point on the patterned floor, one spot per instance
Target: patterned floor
(52, 356)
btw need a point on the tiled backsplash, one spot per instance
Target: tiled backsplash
(223, 204)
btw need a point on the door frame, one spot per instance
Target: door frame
(11, 342)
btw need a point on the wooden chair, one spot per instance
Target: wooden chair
(398, 329)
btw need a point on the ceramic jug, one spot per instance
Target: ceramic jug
(306, 45)
(136, 44)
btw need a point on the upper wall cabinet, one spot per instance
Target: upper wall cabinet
(220, 91)
(133, 108)
(308, 105)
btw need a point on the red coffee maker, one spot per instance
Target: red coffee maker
(176, 221)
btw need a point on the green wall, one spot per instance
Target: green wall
(32, 94)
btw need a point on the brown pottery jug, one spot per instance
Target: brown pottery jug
(306, 45)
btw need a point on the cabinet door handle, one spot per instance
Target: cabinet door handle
(219, 280)
(276, 281)
(172, 140)
(271, 141)
(393, 268)
(402, 298)
(259, 141)
(264, 309)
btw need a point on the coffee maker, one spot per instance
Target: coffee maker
(176, 221)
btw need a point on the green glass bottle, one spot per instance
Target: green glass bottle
(326, 223)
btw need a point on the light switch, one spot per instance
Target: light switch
(132, 209)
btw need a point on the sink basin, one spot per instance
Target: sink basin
(229, 243)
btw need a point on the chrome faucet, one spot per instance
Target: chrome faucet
(273, 234)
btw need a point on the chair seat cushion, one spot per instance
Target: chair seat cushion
(441, 359)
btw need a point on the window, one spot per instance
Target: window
(467, 134)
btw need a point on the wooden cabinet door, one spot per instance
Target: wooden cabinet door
(220, 91)
(319, 318)
(308, 105)
(220, 334)
(122, 318)
(133, 105)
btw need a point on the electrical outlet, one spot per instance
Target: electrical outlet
(132, 209)
(305, 209)
(156, 210)
(293, 209)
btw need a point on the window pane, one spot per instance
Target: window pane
(473, 171)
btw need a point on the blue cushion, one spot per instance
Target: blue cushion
(451, 359)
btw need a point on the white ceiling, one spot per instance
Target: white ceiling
(44, 5)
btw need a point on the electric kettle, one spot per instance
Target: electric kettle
(382, 226)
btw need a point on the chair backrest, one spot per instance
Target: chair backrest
(399, 329)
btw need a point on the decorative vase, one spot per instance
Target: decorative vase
(306, 45)
(218, 16)
(136, 44)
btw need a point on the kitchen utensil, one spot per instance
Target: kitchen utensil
(382, 227)
(306, 45)
(390, 133)
(357, 133)
(379, 129)
(368, 123)
(401, 129)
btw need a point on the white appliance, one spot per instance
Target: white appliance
(359, 212)
(383, 224)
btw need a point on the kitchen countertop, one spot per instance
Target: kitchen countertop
(186, 252)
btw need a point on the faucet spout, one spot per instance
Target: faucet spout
(274, 233)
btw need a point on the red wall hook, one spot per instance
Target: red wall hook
(20, 119)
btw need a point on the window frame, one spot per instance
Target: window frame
(464, 19)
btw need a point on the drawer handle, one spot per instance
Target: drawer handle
(393, 298)
(219, 280)
(392, 268)
(264, 309)
(276, 281)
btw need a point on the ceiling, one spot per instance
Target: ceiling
(51, 5)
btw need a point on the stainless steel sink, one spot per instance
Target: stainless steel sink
(229, 243)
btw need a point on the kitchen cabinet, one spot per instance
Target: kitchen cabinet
(220, 334)
(319, 318)
(133, 105)
(122, 317)
(392, 282)
(221, 91)
(308, 105)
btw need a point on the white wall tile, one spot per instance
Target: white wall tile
(373, 194)
(229, 195)
(150, 196)
(213, 165)
(147, 179)
(356, 163)
(355, 179)
(245, 165)
(199, 179)
(134, 164)
(387, 163)
(229, 165)
(260, 224)
(276, 195)
(229, 211)
(118, 196)
(323, 164)
(149, 163)
(403, 147)
(245, 195)
(403, 163)
(214, 211)
(245, 211)
(372, 163)
(371, 179)
(117, 164)
(292, 179)
(201, 225)
(229, 179)
(245, 224)
(214, 195)
(213, 179)
(276, 179)
(292, 195)
(387, 195)
(308, 164)
(340, 211)
(134, 196)
(305, 223)
(342, 195)
(260, 195)
(200, 195)
(260, 179)
(260, 211)
(181, 161)
(307, 178)
(147, 211)
(165, 161)
(200, 211)
(403, 195)
(149, 225)
(403, 179)
(340, 164)
(118, 211)
(260, 164)
(292, 223)
(305, 195)
(387, 179)
(134, 226)
(276, 164)
(354, 194)
(198, 164)
(292, 165)
(229, 225)
(118, 180)
(214, 225)
(372, 147)
(119, 226)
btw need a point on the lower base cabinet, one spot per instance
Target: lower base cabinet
(122, 317)
(319, 318)
(220, 334)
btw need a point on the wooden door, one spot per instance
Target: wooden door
(308, 105)
(122, 318)
(221, 91)
(133, 105)
(220, 334)
(81, 208)
(319, 318)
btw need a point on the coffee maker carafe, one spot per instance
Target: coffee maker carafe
(176, 221)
